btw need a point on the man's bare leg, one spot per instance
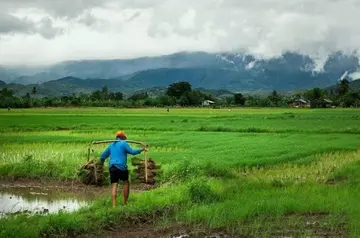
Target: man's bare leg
(113, 193)
(126, 191)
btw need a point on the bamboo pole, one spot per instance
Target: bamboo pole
(146, 171)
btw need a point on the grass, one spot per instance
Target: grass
(248, 168)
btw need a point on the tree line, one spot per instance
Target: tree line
(182, 94)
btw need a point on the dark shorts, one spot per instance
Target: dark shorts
(117, 174)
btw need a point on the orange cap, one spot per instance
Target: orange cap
(121, 134)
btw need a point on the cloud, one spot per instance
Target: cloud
(60, 8)
(102, 29)
(10, 24)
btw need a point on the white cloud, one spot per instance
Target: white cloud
(46, 32)
(355, 75)
(187, 21)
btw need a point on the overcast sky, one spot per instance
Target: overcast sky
(49, 31)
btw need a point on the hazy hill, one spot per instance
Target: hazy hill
(228, 71)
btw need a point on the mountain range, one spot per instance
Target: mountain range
(222, 71)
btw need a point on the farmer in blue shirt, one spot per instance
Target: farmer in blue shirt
(118, 164)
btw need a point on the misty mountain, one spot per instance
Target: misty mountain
(228, 71)
(6, 75)
(116, 68)
(36, 78)
(70, 85)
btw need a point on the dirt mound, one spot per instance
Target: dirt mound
(92, 173)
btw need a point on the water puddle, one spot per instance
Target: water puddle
(33, 200)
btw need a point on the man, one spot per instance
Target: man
(118, 164)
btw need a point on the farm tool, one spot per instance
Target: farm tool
(92, 172)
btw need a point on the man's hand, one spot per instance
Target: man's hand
(145, 147)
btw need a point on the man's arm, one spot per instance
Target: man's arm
(105, 154)
(131, 151)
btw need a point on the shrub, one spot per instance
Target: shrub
(201, 192)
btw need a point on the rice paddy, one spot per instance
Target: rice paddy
(251, 172)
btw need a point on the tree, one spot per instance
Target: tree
(166, 100)
(33, 91)
(139, 96)
(343, 87)
(314, 94)
(104, 95)
(195, 97)
(5, 92)
(239, 99)
(105, 90)
(229, 100)
(351, 98)
(275, 98)
(118, 96)
(96, 95)
(27, 96)
(177, 90)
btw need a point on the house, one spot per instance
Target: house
(299, 103)
(207, 103)
(328, 102)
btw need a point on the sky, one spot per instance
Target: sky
(43, 32)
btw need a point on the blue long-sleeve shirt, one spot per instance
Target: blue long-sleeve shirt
(118, 154)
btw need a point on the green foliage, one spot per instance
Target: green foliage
(201, 192)
(178, 89)
(242, 165)
(239, 99)
(343, 87)
(181, 93)
(139, 96)
(275, 98)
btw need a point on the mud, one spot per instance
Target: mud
(35, 200)
(292, 225)
(173, 231)
(65, 185)
(49, 196)
(299, 225)
(335, 181)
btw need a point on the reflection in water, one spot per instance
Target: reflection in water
(35, 200)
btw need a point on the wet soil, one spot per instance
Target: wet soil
(299, 225)
(291, 225)
(26, 196)
(64, 185)
(173, 231)
(317, 225)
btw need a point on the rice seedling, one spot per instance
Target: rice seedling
(254, 171)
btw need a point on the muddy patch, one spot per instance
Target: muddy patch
(49, 196)
(173, 231)
(60, 128)
(34, 200)
(298, 225)
(65, 185)
(335, 181)
(290, 225)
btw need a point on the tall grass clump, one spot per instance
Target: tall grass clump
(201, 192)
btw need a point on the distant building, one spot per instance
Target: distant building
(300, 102)
(328, 102)
(208, 103)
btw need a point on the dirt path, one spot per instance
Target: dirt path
(151, 231)
(63, 186)
(295, 225)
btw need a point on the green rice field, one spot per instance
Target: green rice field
(251, 172)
